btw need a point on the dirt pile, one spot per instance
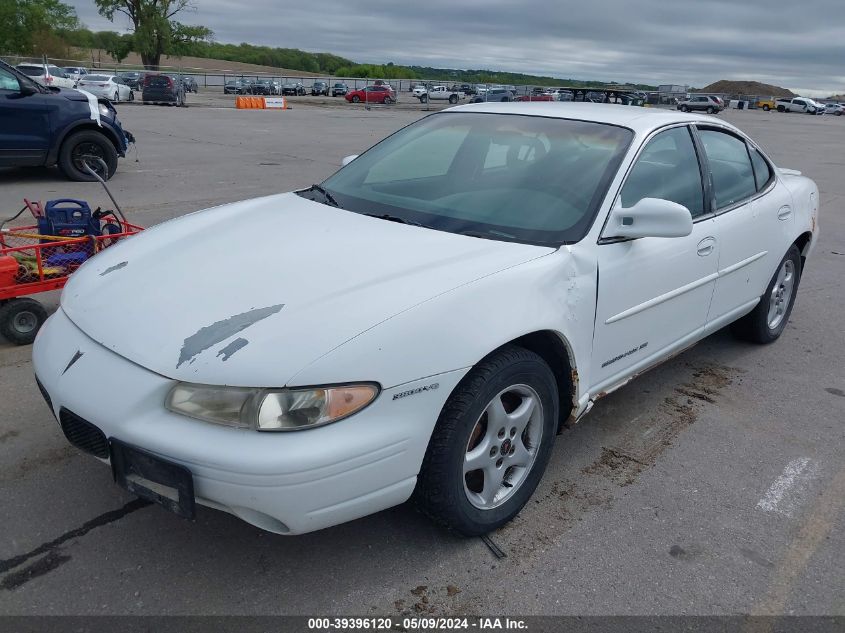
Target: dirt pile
(748, 88)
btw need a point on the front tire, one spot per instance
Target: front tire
(356, 99)
(767, 321)
(20, 320)
(711, 110)
(684, 108)
(453, 99)
(491, 443)
(86, 143)
(766, 108)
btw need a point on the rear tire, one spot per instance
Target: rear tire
(766, 108)
(453, 99)
(20, 320)
(711, 110)
(116, 97)
(481, 425)
(767, 321)
(781, 109)
(82, 143)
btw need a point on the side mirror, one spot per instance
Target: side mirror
(650, 217)
(348, 160)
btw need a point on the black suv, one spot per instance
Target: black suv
(339, 89)
(320, 88)
(57, 126)
(167, 89)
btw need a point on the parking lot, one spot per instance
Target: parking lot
(658, 502)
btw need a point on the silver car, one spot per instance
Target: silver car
(834, 108)
(704, 103)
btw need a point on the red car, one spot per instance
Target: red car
(372, 94)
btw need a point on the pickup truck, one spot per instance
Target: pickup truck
(799, 104)
(766, 104)
(436, 93)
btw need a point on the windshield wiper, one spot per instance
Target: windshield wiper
(488, 235)
(326, 195)
(392, 218)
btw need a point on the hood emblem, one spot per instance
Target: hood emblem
(75, 358)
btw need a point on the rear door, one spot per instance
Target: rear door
(753, 218)
(24, 123)
(654, 293)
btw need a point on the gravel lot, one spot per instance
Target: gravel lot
(654, 504)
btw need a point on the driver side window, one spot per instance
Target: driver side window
(8, 81)
(667, 169)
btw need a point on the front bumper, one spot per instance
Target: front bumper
(287, 483)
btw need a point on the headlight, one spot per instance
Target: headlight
(270, 409)
(104, 110)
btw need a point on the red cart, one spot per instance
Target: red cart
(31, 263)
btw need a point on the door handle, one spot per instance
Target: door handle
(706, 246)
(785, 212)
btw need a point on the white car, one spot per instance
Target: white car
(76, 72)
(421, 327)
(47, 75)
(109, 87)
(834, 108)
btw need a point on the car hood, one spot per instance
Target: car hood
(250, 293)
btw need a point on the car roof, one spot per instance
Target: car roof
(640, 120)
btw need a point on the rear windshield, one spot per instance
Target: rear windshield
(159, 81)
(32, 71)
(96, 78)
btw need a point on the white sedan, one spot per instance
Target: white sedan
(109, 87)
(48, 75)
(421, 327)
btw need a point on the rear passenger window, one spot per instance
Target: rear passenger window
(762, 171)
(733, 177)
(668, 169)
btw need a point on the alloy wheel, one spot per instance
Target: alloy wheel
(503, 446)
(781, 294)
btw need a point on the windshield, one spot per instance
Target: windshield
(519, 178)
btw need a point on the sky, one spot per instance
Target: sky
(798, 44)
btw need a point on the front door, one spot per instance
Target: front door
(24, 123)
(654, 293)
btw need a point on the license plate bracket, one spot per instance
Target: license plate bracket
(152, 478)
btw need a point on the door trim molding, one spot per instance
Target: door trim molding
(662, 298)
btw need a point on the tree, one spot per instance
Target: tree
(118, 46)
(155, 31)
(29, 26)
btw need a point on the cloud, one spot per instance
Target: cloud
(695, 42)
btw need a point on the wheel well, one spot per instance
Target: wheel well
(551, 348)
(803, 242)
(93, 127)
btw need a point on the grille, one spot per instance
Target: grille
(83, 435)
(46, 395)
